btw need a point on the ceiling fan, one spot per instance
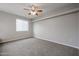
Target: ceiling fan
(34, 10)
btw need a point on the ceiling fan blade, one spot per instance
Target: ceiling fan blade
(37, 14)
(39, 10)
(29, 13)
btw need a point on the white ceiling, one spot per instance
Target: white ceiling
(17, 8)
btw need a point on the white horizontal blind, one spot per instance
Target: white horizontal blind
(22, 25)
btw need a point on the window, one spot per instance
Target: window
(22, 25)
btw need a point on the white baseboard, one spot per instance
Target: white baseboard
(15, 40)
(59, 43)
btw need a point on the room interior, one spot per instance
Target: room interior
(39, 29)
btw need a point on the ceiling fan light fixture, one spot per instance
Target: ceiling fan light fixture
(35, 10)
(33, 13)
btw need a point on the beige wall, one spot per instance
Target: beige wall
(78, 30)
(8, 27)
(62, 30)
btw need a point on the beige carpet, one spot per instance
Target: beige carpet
(35, 47)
